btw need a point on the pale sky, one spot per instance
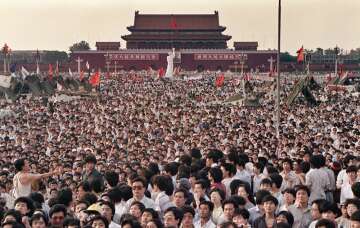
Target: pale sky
(57, 24)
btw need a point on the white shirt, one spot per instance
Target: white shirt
(114, 225)
(209, 224)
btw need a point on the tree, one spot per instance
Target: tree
(286, 57)
(53, 56)
(81, 46)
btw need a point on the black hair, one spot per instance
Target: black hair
(270, 198)
(289, 217)
(64, 196)
(178, 214)
(132, 222)
(89, 197)
(140, 179)
(29, 203)
(260, 195)
(302, 187)
(355, 216)
(325, 223)
(58, 208)
(69, 221)
(356, 189)
(112, 178)
(290, 191)
(316, 161)
(100, 217)
(97, 185)
(219, 191)
(239, 200)
(353, 201)
(266, 181)
(126, 192)
(216, 174)
(13, 224)
(351, 169)
(229, 167)
(327, 206)
(161, 182)
(114, 195)
(109, 204)
(171, 168)
(85, 186)
(207, 203)
(19, 164)
(154, 214)
(188, 209)
(195, 153)
(185, 159)
(276, 179)
(242, 212)
(90, 159)
(14, 213)
(139, 204)
(38, 216)
(229, 201)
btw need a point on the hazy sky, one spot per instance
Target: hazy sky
(57, 24)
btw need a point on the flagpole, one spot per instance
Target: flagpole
(278, 76)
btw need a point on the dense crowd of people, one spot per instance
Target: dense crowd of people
(169, 153)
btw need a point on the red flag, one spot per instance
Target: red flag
(173, 23)
(81, 75)
(50, 72)
(161, 72)
(300, 56)
(95, 79)
(220, 80)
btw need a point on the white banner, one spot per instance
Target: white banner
(5, 81)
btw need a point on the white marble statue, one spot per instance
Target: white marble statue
(170, 64)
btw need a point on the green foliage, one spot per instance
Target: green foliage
(81, 46)
(286, 57)
(53, 56)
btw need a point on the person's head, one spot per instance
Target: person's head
(351, 171)
(138, 188)
(57, 215)
(217, 196)
(25, 205)
(136, 209)
(12, 224)
(188, 216)
(228, 224)
(352, 205)
(83, 188)
(244, 191)
(159, 183)
(229, 207)
(276, 180)
(287, 164)
(266, 184)
(112, 178)
(215, 175)
(155, 223)
(356, 189)
(97, 185)
(200, 188)
(270, 203)
(90, 162)
(65, 196)
(260, 196)
(285, 217)
(325, 223)
(12, 215)
(289, 196)
(205, 209)
(315, 208)
(107, 210)
(329, 211)
(148, 215)
(316, 161)
(130, 223)
(302, 194)
(22, 165)
(355, 219)
(71, 222)
(241, 217)
(38, 220)
(99, 222)
(180, 196)
(172, 217)
(80, 205)
(228, 170)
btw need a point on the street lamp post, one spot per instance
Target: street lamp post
(278, 74)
